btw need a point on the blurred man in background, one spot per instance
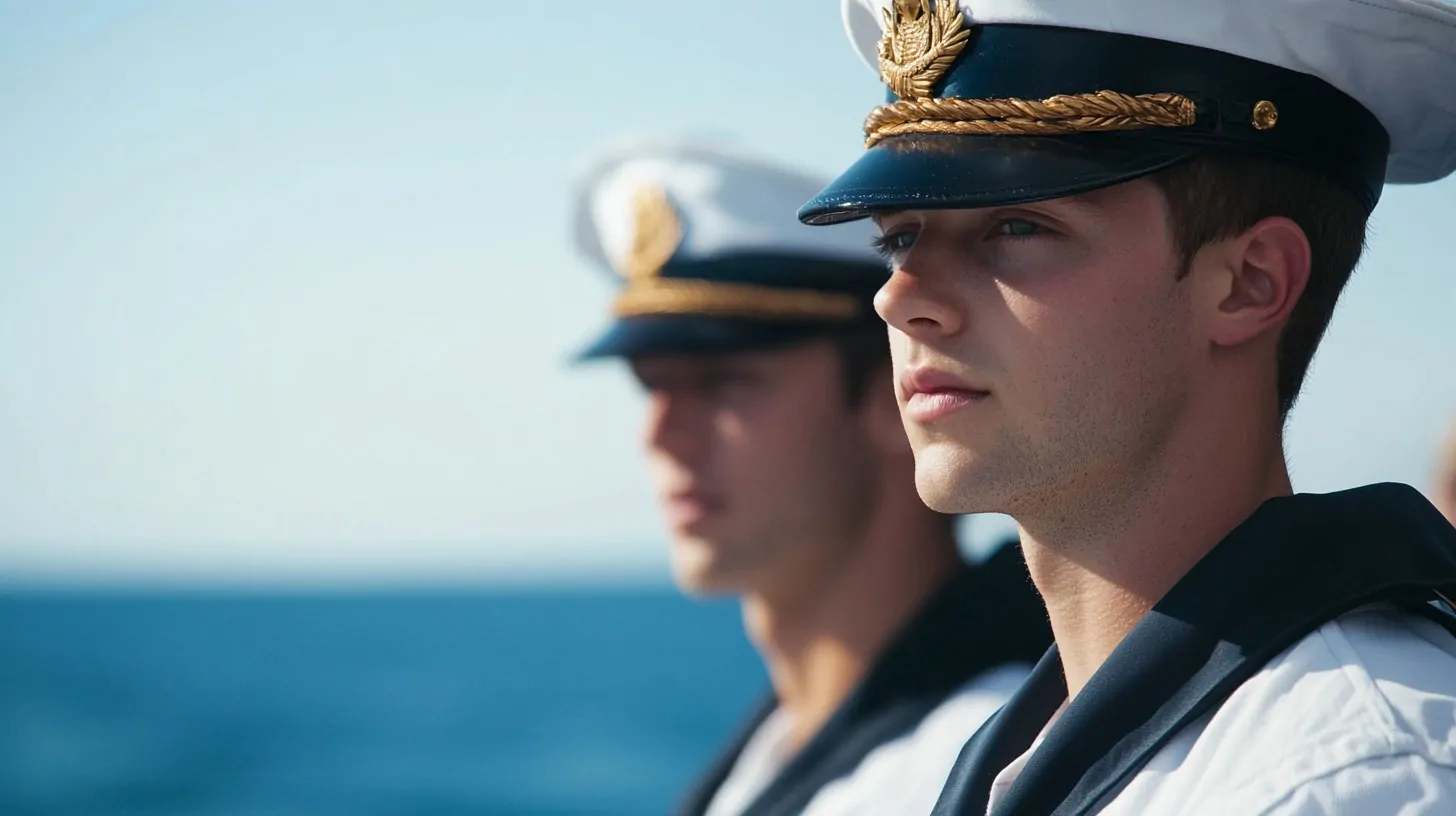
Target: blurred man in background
(1445, 492)
(787, 480)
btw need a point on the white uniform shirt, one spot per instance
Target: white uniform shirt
(903, 776)
(1357, 718)
(763, 756)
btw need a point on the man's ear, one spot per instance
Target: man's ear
(1261, 275)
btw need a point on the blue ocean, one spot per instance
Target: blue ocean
(522, 702)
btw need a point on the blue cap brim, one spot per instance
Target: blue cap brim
(929, 172)
(697, 334)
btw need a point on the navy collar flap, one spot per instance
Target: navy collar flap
(1294, 565)
(987, 616)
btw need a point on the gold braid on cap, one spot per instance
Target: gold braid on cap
(657, 234)
(680, 296)
(923, 38)
(1069, 113)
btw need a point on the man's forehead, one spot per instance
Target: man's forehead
(688, 364)
(1100, 200)
(706, 362)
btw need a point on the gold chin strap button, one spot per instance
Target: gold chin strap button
(1266, 115)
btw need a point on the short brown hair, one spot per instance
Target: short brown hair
(1213, 197)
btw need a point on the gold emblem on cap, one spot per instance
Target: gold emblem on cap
(657, 232)
(922, 39)
(1266, 115)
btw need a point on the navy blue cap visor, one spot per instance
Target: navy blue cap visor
(697, 334)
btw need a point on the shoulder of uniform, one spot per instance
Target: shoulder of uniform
(1370, 686)
(1374, 690)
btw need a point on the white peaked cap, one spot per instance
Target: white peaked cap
(727, 203)
(1395, 57)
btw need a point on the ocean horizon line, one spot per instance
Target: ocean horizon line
(330, 582)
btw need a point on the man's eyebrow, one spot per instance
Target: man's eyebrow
(1093, 202)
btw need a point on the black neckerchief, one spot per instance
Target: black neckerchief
(1293, 566)
(986, 616)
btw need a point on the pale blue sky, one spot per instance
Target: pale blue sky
(286, 288)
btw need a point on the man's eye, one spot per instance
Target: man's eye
(720, 380)
(1017, 228)
(893, 242)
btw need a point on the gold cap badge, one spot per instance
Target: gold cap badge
(657, 233)
(922, 39)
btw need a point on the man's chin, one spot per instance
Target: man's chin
(699, 572)
(705, 590)
(952, 479)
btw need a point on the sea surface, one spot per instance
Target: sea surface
(526, 702)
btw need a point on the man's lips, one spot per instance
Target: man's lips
(930, 394)
(685, 508)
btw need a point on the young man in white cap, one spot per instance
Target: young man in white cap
(787, 480)
(1117, 232)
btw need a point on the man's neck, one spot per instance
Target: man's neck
(819, 644)
(1103, 561)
